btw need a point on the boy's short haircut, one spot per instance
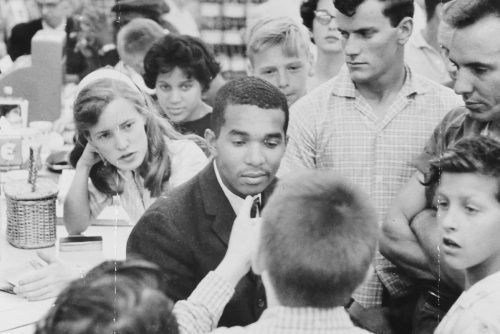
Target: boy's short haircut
(476, 154)
(188, 53)
(394, 10)
(318, 238)
(281, 31)
(115, 297)
(247, 91)
(139, 34)
(463, 13)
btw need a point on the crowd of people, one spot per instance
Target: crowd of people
(349, 184)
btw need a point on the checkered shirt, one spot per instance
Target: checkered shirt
(334, 127)
(201, 311)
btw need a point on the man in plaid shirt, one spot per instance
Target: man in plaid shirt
(368, 124)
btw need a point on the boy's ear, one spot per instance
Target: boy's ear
(405, 28)
(250, 68)
(211, 138)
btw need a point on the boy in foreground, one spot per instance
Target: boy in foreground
(468, 202)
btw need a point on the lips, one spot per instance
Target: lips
(450, 244)
(129, 157)
(254, 178)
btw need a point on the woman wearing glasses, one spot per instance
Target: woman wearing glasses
(319, 17)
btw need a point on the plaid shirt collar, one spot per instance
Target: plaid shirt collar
(344, 86)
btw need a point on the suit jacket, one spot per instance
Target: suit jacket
(186, 233)
(20, 43)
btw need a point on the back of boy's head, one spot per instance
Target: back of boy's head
(282, 31)
(113, 298)
(138, 35)
(188, 53)
(318, 238)
(247, 91)
(476, 154)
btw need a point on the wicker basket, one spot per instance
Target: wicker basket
(31, 216)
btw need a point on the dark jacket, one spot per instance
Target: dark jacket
(20, 43)
(186, 233)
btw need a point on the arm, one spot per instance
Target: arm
(77, 215)
(163, 238)
(200, 313)
(398, 243)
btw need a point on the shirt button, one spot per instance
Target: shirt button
(261, 303)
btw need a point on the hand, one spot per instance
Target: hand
(242, 245)
(90, 157)
(46, 282)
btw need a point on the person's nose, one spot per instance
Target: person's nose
(175, 96)
(283, 80)
(255, 155)
(121, 140)
(448, 219)
(351, 46)
(463, 84)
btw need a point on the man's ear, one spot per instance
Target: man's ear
(405, 29)
(211, 139)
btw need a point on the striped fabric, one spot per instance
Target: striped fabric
(334, 127)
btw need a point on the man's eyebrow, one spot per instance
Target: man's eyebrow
(275, 135)
(238, 133)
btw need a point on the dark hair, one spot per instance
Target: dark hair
(190, 54)
(463, 13)
(430, 7)
(115, 297)
(126, 10)
(395, 10)
(247, 91)
(318, 238)
(476, 154)
(307, 9)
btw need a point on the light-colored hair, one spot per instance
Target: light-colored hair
(91, 100)
(283, 31)
(139, 35)
(319, 235)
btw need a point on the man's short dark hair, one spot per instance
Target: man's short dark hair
(476, 154)
(318, 238)
(190, 54)
(395, 10)
(121, 297)
(247, 91)
(307, 9)
(430, 7)
(463, 13)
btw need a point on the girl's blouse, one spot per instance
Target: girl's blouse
(186, 160)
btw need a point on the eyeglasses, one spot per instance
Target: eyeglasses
(323, 17)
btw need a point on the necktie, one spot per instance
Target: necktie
(256, 208)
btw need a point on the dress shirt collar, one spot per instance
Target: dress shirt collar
(61, 27)
(306, 318)
(235, 200)
(344, 86)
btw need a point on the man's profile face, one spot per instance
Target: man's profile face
(52, 11)
(475, 52)
(249, 147)
(370, 42)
